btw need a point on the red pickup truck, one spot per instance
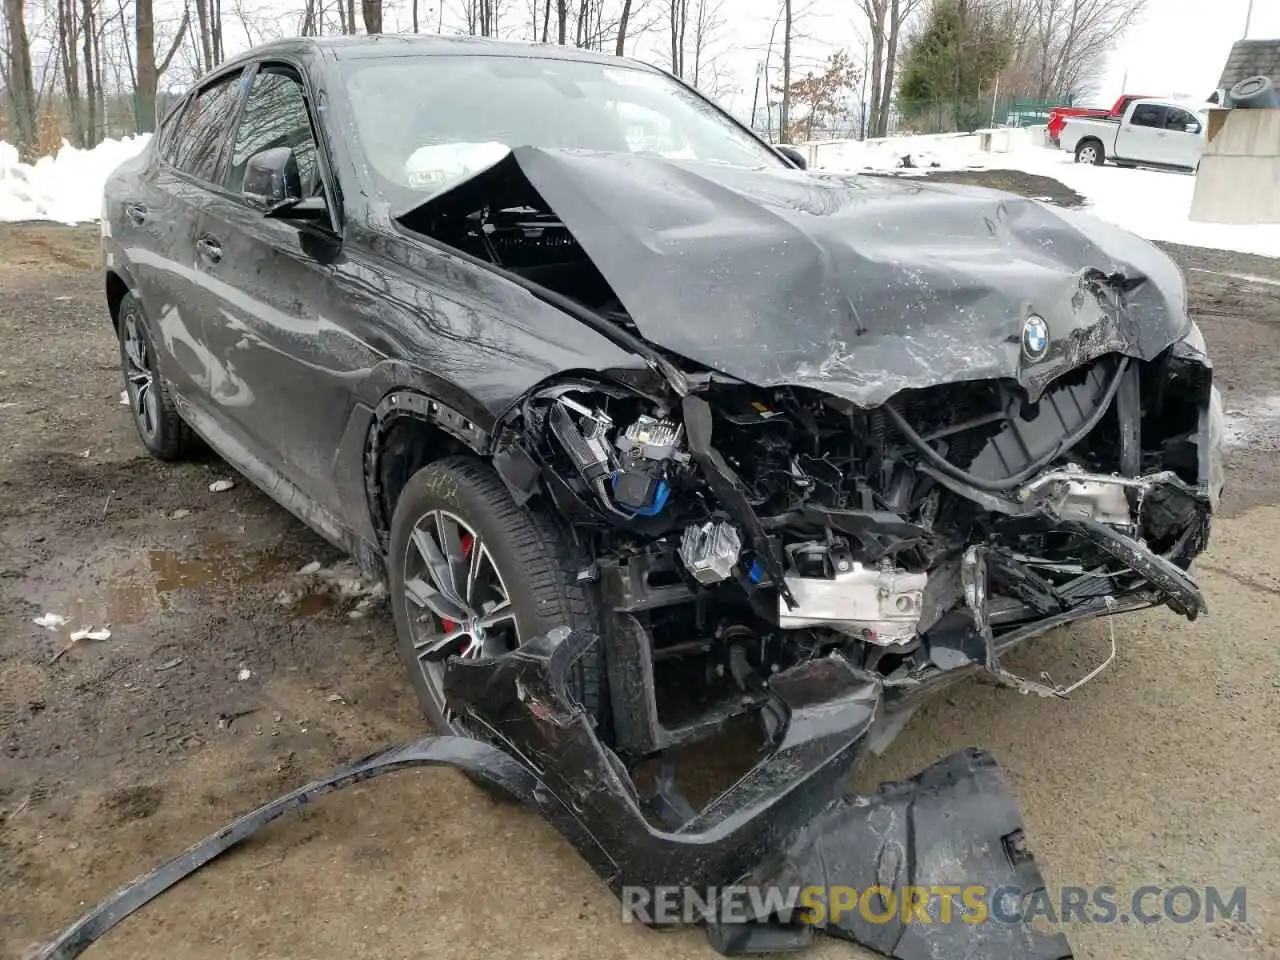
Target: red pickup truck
(1058, 115)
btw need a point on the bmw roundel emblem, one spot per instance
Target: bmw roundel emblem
(1035, 337)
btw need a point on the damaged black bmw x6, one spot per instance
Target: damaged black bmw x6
(546, 339)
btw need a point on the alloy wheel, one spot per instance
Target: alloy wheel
(140, 377)
(1087, 155)
(455, 598)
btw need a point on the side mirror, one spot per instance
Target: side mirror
(1193, 127)
(271, 177)
(794, 155)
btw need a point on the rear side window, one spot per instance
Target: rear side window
(275, 115)
(204, 127)
(1148, 115)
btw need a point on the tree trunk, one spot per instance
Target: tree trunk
(371, 10)
(67, 35)
(784, 113)
(890, 61)
(562, 13)
(546, 21)
(351, 16)
(22, 91)
(90, 80)
(202, 24)
(148, 70)
(215, 28)
(620, 47)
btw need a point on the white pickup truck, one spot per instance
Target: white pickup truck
(1151, 133)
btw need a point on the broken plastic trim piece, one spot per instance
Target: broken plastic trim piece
(479, 759)
(973, 576)
(786, 824)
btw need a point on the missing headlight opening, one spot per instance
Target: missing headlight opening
(757, 525)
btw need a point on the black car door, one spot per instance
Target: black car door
(157, 227)
(279, 329)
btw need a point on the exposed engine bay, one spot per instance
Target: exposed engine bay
(752, 527)
(763, 528)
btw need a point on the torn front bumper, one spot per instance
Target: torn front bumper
(788, 825)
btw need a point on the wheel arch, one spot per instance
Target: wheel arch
(117, 287)
(1090, 139)
(410, 428)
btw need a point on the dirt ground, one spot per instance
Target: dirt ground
(118, 753)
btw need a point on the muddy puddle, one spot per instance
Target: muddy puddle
(1253, 423)
(154, 582)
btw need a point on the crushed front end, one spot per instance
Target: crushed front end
(750, 529)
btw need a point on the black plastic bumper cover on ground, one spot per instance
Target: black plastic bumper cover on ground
(787, 824)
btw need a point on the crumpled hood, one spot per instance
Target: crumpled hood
(859, 286)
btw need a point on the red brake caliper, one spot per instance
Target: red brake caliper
(467, 541)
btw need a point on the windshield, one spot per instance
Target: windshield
(426, 122)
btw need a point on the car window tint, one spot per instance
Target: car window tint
(275, 115)
(205, 126)
(1148, 115)
(172, 131)
(1178, 120)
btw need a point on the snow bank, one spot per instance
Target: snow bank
(66, 188)
(937, 151)
(1151, 203)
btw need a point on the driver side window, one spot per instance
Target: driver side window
(1148, 115)
(275, 115)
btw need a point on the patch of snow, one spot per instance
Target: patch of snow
(1154, 204)
(66, 188)
(50, 621)
(244, 674)
(221, 486)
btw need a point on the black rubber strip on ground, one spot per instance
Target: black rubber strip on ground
(486, 762)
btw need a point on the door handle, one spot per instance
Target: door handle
(209, 248)
(136, 212)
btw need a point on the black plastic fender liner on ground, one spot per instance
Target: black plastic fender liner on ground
(479, 759)
(787, 824)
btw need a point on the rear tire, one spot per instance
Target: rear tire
(1091, 151)
(160, 427)
(460, 502)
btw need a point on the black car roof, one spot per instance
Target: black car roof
(426, 45)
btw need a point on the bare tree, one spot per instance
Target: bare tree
(209, 24)
(677, 24)
(702, 19)
(1066, 41)
(18, 77)
(371, 10)
(885, 20)
(149, 71)
(784, 112)
(620, 47)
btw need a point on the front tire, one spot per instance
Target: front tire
(1090, 151)
(472, 575)
(160, 427)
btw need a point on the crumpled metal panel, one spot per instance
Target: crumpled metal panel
(859, 286)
